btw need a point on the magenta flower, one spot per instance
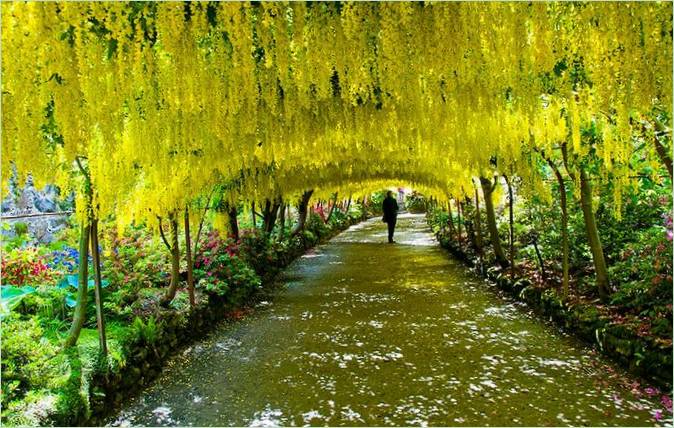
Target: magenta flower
(650, 391)
(667, 402)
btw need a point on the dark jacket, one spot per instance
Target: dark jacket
(390, 207)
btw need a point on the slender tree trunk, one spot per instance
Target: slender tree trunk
(348, 205)
(252, 211)
(565, 226)
(195, 252)
(510, 230)
(98, 287)
(470, 231)
(233, 222)
(188, 258)
(282, 220)
(332, 208)
(450, 219)
(468, 223)
(487, 190)
(175, 262)
(302, 212)
(593, 236)
(591, 230)
(266, 214)
(80, 313)
(478, 223)
(458, 221)
(538, 256)
(663, 155)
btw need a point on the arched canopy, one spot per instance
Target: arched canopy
(165, 99)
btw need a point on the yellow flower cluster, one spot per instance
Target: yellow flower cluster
(165, 99)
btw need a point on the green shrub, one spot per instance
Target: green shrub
(317, 226)
(20, 228)
(26, 266)
(25, 356)
(310, 237)
(256, 249)
(415, 203)
(135, 260)
(223, 275)
(644, 272)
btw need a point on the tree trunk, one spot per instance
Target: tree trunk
(450, 219)
(188, 258)
(348, 205)
(175, 262)
(302, 207)
(663, 155)
(510, 230)
(478, 224)
(470, 231)
(252, 212)
(282, 220)
(468, 223)
(269, 215)
(565, 226)
(80, 313)
(98, 287)
(458, 221)
(487, 189)
(233, 222)
(332, 208)
(266, 214)
(593, 236)
(540, 259)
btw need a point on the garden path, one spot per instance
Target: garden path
(367, 333)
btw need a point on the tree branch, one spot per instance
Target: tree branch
(201, 223)
(163, 237)
(565, 158)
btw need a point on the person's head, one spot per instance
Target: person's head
(389, 194)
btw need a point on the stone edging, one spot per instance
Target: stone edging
(639, 355)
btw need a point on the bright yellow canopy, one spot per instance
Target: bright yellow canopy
(165, 99)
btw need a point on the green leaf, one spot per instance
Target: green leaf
(11, 296)
(72, 280)
(71, 301)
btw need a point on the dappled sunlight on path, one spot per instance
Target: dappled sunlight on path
(371, 333)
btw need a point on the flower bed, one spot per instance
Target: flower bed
(645, 355)
(44, 385)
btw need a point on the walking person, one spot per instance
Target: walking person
(390, 208)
